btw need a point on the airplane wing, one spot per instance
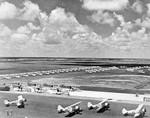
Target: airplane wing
(100, 103)
(99, 107)
(75, 104)
(70, 107)
(139, 108)
(105, 100)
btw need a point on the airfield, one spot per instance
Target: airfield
(126, 74)
(45, 107)
(102, 75)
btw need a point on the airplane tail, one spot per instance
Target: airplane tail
(6, 102)
(90, 105)
(60, 109)
(124, 111)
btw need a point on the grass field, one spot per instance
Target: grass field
(45, 107)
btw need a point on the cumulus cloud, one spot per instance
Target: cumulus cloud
(59, 35)
(4, 31)
(28, 28)
(128, 41)
(102, 18)
(19, 38)
(139, 7)
(120, 18)
(148, 11)
(30, 11)
(59, 26)
(112, 5)
(10, 40)
(33, 27)
(62, 29)
(145, 22)
(23, 30)
(8, 10)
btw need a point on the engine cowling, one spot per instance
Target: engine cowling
(60, 109)
(124, 112)
(89, 105)
(6, 102)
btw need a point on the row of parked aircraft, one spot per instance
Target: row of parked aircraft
(75, 108)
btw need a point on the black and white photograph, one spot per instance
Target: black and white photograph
(75, 58)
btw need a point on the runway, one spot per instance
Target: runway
(45, 107)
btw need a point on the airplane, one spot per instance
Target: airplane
(70, 110)
(139, 112)
(60, 91)
(20, 102)
(100, 107)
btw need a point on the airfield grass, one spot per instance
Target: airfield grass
(119, 79)
(96, 81)
(45, 107)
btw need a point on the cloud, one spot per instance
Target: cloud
(8, 10)
(4, 31)
(139, 7)
(102, 18)
(120, 18)
(112, 5)
(28, 28)
(19, 38)
(59, 26)
(30, 11)
(145, 22)
(148, 11)
(60, 15)
(125, 40)
(59, 35)
(11, 40)
(33, 27)
(62, 29)
(23, 30)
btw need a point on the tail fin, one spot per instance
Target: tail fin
(60, 109)
(124, 111)
(90, 105)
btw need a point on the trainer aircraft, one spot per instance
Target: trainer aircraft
(70, 110)
(139, 112)
(20, 102)
(100, 107)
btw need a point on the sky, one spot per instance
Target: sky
(75, 28)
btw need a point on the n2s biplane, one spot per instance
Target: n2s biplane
(70, 110)
(139, 112)
(20, 102)
(99, 107)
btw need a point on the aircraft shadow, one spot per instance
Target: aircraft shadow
(74, 113)
(103, 110)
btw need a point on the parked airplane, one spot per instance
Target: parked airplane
(20, 102)
(100, 107)
(139, 112)
(70, 110)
